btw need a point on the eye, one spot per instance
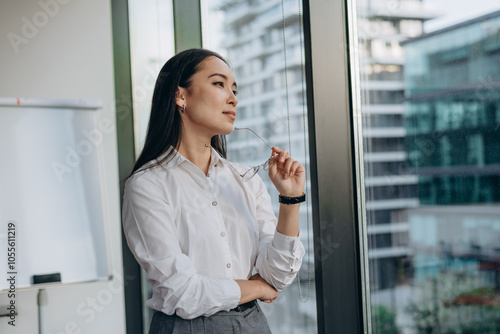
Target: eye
(219, 83)
(235, 92)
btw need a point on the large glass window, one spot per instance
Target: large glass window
(151, 45)
(271, 93)
(430, 79)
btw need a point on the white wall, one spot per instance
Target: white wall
(68, 55)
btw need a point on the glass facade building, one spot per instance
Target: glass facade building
(453, 112)
(452, 120)
(389, 189)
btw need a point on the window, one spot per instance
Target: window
(151, 45)
(431, 165)
(277, 116)
(430, 121)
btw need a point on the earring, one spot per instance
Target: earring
(183, 108)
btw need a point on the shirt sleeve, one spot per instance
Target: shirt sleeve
(151, 233)
(280, 256)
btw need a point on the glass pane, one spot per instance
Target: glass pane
(151, 45)
(249, 33)
(430, 79)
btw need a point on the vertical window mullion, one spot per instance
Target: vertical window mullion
(339, 280)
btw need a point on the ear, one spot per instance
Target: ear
(180, 96)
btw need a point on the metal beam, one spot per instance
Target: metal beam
(126, 154)
(339, 266)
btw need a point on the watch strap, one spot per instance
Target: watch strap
(292, 200)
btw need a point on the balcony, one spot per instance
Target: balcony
(382, 85)
(381, 109)
(403, 9)
(390, 180)
(385, 156)
(388, 228)
(390, 132)
(388, 252)
(390, 204)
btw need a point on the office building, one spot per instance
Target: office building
(452, 121)
(390, 188)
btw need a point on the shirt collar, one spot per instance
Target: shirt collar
(178, 158)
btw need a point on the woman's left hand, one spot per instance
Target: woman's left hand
(287, 175)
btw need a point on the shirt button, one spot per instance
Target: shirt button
(222, 234)
(228, 265)
(214, 203)
(215, 165)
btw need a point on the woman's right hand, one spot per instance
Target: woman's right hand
(268, 293)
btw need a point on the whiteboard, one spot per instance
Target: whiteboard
(52, 191)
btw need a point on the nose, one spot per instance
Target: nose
(232, 98)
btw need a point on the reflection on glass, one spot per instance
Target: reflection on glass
(431, 128)
(249, 33)
(151, 45)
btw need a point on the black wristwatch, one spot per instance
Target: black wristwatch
(292, 200)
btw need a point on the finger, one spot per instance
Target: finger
(273, 166)
(283, 155)
(276, 151)
(295, 166)
(287, 165)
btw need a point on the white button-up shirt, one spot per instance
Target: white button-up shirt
(195, 234)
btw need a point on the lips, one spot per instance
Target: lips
(230, 114)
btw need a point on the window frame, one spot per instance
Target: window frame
(335, 146)
(336, 163)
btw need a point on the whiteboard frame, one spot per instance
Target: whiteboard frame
(87, 104)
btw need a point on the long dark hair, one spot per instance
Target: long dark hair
(165, 124)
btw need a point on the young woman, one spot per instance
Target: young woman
(194, 223)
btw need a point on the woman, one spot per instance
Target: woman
(193, 223)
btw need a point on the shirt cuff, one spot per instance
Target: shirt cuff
(285, 243)
(231, 295)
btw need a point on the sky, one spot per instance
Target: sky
(456, 11)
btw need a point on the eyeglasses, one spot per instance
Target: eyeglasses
(252, 171)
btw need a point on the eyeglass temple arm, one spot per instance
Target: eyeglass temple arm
(232, 167)
(254, 134)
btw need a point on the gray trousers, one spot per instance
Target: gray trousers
(248, 321)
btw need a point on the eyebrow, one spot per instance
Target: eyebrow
(223, 76)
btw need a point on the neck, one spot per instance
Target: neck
(198, 151)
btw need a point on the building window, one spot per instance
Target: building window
(258, 49)
(431, 164)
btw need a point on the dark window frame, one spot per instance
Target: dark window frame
(339, 239)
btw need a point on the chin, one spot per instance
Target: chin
(224, 133)
(226, 130)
